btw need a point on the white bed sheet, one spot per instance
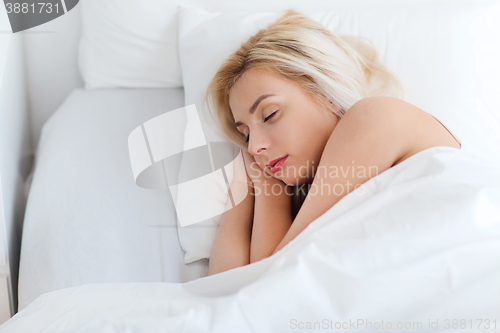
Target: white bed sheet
(86, 219)
(420, 242)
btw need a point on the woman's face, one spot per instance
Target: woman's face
(296, 125)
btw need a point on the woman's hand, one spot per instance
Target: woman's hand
(246, 169)
(240, 173)
(254, 171)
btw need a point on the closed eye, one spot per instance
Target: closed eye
(266, 119)
(270, 116)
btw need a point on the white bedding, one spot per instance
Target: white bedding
(420, 242)
(86, 219)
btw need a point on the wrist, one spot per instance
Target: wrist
(266, 180)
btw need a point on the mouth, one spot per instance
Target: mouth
(276, 164)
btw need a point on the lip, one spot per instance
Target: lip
(273, 162)
(276, 164)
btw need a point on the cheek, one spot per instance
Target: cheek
(262, 165)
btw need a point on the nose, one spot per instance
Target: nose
(258, 143)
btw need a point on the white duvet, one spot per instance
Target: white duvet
(416, 248)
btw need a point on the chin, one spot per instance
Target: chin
(295, 181)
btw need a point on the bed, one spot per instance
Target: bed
(77, 222)
(416, 247)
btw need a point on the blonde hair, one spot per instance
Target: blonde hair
(336, 71)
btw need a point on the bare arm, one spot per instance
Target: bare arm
(272, 217)
(231, 246)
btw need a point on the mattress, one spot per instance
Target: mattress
(86, 220)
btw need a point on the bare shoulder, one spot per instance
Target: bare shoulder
(371, 137)
(397, 125)
(383, 111)
(382, 124)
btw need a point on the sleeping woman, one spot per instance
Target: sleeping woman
(308, 109)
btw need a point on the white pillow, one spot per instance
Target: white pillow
(129, 44)
(429, 48)
(133, 43)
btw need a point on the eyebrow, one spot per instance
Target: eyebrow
(254, 107)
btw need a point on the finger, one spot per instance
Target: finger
(249, 158)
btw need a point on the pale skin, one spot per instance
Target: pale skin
(375, 134)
